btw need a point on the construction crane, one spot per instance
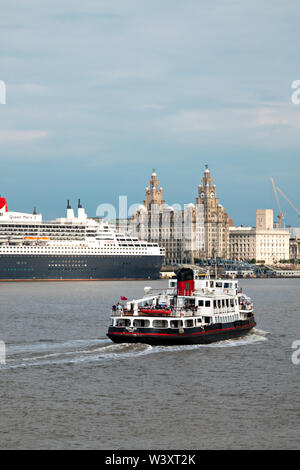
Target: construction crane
(290, 203)
(280, 216)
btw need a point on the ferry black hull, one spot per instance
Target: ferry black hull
(169, 337)
(78, 267)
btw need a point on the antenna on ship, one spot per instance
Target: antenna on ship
(79, 205)
(68, 204)
(34, 211)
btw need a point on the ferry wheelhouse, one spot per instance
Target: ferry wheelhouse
(192, 310)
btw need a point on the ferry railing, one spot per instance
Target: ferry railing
(175, 312)
(246, 307)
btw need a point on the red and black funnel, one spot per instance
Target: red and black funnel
(185, 281)
(3, 204)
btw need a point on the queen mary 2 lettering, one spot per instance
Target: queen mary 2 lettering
(71, 248)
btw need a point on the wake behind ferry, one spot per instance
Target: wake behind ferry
(192, 310)
(71, 248)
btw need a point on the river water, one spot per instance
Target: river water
(66, 386)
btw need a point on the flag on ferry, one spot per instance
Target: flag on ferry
(123, 298)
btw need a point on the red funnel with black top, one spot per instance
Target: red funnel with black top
(185, 281)
(3, 204)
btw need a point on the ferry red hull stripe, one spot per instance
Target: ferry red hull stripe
(181, 334)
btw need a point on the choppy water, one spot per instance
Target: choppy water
(65, 385)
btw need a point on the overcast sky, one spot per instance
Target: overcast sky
(100, 92)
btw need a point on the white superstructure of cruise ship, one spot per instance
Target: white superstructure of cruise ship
(71, 248)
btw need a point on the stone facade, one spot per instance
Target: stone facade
(156, 222)
(199, 231)
(242, 242)
(294, 243)
(216, 220)
(262, 243)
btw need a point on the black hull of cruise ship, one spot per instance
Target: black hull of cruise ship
(78, 267)
(168, 337)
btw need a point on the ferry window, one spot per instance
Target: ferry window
(189, 323)
(207, 319)
(141, 323)
(223, 303)
(123, 322)
(211, 283)
(189, 303)
(226, 285)
(227, 302)
(160, 323)
(207, 303)
(215, 304)
(199, 320)
(218, 284)
(231, 303)
(176, 323)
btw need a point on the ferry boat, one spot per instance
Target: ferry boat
(71, 248)
(192, 310)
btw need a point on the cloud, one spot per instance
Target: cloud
(121, 84)
(31, 89)
(267, 124)
(17, 136)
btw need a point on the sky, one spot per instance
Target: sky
(100, 92)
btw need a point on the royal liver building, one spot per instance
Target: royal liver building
(195, 231)
(216, 220)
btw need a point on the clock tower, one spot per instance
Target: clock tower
(154, 193)
(216, 220)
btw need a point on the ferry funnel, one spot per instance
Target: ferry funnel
(185, 281)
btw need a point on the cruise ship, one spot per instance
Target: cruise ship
(71, 248)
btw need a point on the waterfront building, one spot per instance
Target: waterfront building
(216, 220)
(294, 243)
(197, 231)
(155, 220)
(261, 243)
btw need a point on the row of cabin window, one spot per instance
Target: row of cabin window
(221, 303)
(226, 319)
(141, 323)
